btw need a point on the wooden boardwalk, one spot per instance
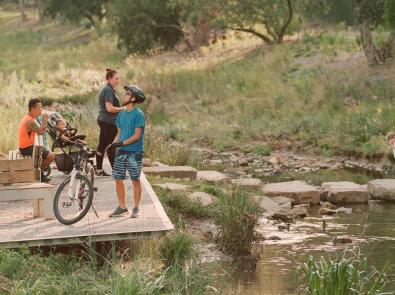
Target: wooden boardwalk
(18, 227)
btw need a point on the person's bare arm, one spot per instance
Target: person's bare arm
(33, 126)
(116, 139)
(136, 136)
(111, 109)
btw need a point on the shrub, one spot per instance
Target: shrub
(346, 276)
(236, 222)
(175, 249)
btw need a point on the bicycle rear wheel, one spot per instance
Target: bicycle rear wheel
(71, 204)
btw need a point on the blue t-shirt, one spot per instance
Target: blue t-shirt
(128, 122)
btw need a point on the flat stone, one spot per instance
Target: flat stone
(147, 162)
(299, 191)
(344, 192)
(158, 164)
(328, 211)
(383, 189)
(300, 211)
(288, 215)
(267, 205)
(327, 205)
(248, 182)
(171, 171)
(284, 202)
(212, 176)
(203, 198)
(174, 187)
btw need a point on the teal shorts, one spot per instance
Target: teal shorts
(127, 161)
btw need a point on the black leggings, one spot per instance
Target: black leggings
(107, 135)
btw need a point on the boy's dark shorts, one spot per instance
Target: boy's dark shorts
(127, 161)
(28, 151)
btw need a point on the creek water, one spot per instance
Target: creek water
(372, 229)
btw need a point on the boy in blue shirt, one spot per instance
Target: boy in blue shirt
(129, 143)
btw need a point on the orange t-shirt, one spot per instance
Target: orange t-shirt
(26, 138)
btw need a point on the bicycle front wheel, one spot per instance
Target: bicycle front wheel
(73, 201)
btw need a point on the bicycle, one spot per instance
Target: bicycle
(74, 196)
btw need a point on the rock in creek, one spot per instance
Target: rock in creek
(327, 211)
(382, 189)
(299, 191)
(344, 192)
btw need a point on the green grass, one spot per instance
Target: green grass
(345, 276)
(22, 272)
(236, 222)
(175, 249)
(179, 207)
(253, 99)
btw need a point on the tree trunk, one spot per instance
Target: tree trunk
(40, 10)
(373, 54)
(22, 10)
(370, 49)
(198, 35)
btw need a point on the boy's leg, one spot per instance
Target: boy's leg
(120, 188)
(119, 173)
(136, 192)
(134, 169)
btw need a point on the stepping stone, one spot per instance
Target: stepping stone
(248, 182)
(344, 192)
(212, 176)
(158, 164)
(147, 162)
(203, 198)
(288, 215)
(383, 189)
(269, 206)
(174, 187)
(299, 191)
(283, 201)
(171, 171)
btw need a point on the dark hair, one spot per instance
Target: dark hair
(390, 135)
(33, 102)
(110, 73)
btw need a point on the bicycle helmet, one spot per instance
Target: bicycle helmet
(136, 92)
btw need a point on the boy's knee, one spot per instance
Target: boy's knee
(136, 181)
(119, 181)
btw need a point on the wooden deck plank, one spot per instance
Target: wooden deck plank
(18, 227)
(16, 165)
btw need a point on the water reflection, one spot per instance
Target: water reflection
(372, 230)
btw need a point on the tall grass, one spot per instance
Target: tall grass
(22, 272)
(179, 207)
(225, 96)
(158, 149)
(345, 276)
(176, 249)
(236, 220)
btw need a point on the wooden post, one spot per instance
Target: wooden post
(37, 155)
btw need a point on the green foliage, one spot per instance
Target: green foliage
(236, 221)
(178, 206)
(76, 10)
(342, 277)
(175, 249)
(157, 149)
(270, 20)
(259, 149)
(144, 25)
(138, 282)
